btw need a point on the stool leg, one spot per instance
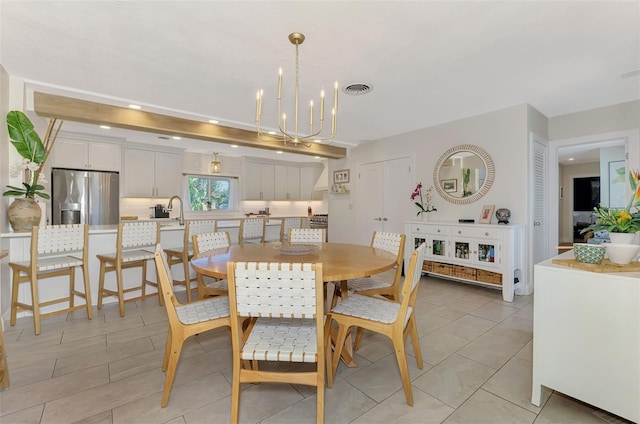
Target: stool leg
(101, 283)
(144, 277)
(14, 295)
(72, 287)
(120, 288)
(187, 278)
(87, 290)
(35, 302)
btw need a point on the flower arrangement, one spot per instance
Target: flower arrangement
(625, 220)
(424, 206)
(34, 154)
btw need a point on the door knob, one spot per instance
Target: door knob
(385, 219)
(377, 219)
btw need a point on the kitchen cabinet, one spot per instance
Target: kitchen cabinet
(287, 182)
(151, 174)
(308, 177)
(259, 181)
(485, 254)
(83, 154)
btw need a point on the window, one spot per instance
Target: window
(212, 193)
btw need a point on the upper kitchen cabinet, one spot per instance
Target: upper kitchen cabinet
(259, 181)
(83, 154)
(149, 173)
(287, 182)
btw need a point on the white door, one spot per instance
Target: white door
(383, 197)
(538, 232)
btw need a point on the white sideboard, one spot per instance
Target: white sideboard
(485, 254)
(586, 336)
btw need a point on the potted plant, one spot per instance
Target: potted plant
(423, 206)
(24, 212)
(620, 221)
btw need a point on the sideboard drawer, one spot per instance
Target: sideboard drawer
(436, 230)
(475, 232)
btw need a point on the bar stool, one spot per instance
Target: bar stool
(55, 250)
(251, 230)
(135, 246)
(289, 223)
(182, 255)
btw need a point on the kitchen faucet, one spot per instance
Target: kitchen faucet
(170, 206)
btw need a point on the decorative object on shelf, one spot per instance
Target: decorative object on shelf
(625, 220)
(295, 137)
(341, 176)
(26, 213)
(487, 213)
(588, 253)
(503, 215)
(621, 254)
(425, 205)
(216, 166)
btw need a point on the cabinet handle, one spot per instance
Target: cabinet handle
(486, 234)
(459, 232)
(438, 230)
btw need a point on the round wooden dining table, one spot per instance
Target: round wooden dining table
(340, 261)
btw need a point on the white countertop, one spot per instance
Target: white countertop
(569, 255)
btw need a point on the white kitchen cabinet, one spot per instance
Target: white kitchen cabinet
(287, 182)
(308, 177)
(151, 174)
(83, 154)
(259, 181)
(485, 254)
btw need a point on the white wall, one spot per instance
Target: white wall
(502, 134)
(623, 116)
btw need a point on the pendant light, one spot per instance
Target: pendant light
(216, 167)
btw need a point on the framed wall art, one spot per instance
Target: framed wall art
(341, 176)
(487, 214)
(450, 186)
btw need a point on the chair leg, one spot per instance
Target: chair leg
(235, 392)
(359, 337)
(343, 331)
(120, 283)
(187, 279)
(35, 302)
(14, 296)
(72, 287)
(327, 344)
(174, 356)
(415, 340)
(87, 290)
(398, 345)
(167, 351)
(101, 283)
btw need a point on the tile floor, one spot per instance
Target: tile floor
(477, 351)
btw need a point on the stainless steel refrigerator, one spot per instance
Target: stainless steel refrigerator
(85, 197)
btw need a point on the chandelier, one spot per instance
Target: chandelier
(216, 167)
(295, 137)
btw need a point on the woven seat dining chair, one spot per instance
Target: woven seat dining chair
(287, 224)
(278, 299)
(251, 230)
(184, 320)
(393, 320)
(182, 255)
(307, 235)
(56, 250)
(210, 244)
(135, 244)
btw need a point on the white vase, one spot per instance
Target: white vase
(622, 238)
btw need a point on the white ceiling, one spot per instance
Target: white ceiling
(428, 62)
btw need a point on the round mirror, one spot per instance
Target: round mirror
(463, 174)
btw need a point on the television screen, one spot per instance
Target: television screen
(586, 193)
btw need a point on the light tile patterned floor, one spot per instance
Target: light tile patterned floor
(477, 351)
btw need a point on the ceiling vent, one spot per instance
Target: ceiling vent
(357, 89)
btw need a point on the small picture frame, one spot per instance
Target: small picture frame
(487, 214)
(450, 186)
(341, 176)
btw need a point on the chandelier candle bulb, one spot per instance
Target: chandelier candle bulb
(321, 106)
(335, 96)
(311, 114)
(279, 83)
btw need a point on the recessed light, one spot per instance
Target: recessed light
(136, 107)
(213, 121)
(271, 133)
(234, 146)
(316, 157)
(105, 127)
(318, 141)
(175, 137)
(570, 158)
(279, 152)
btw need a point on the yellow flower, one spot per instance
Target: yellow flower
(623, 216)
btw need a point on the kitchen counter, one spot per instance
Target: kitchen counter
(586, 336)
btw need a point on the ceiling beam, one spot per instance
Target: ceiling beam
(70, 109)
